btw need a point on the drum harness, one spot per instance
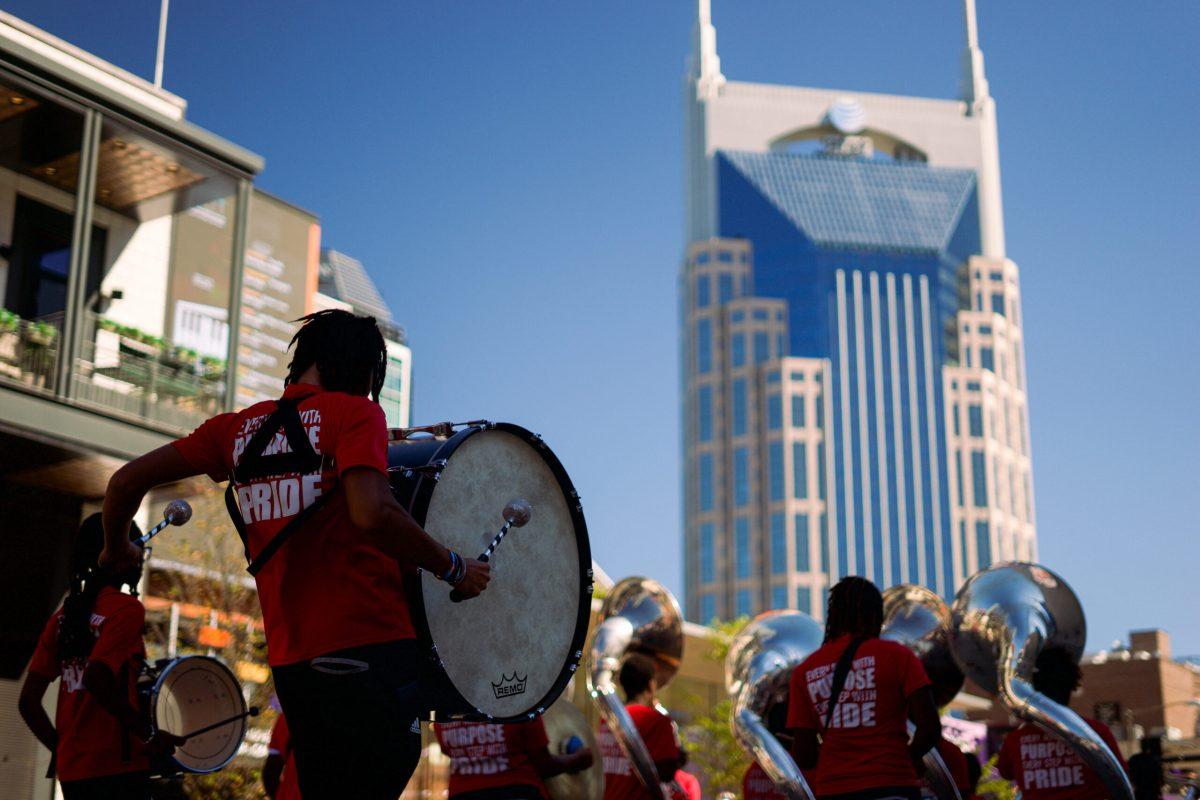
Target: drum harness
(301, 458)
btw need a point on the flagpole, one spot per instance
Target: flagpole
(162, 43)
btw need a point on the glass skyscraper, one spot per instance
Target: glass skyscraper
(853, 369)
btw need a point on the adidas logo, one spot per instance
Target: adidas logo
(509, 687)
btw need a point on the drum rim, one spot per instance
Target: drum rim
(418, 507)
(154, 693)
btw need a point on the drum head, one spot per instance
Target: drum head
(192, 693)
(510, 651)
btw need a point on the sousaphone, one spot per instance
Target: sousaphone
(638, 616)
(1003, 617)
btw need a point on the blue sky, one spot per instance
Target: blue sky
(511, 175)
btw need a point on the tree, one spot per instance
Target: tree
(713, 752)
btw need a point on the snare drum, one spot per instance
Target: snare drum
(187, 694)
(508, 654)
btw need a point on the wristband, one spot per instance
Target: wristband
(456, 572)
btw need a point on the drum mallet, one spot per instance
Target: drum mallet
(516, 514)
(177, 513)
(250, 712)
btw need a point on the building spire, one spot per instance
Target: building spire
(706, 65)
(975, 85)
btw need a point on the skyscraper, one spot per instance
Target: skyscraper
(852, 359)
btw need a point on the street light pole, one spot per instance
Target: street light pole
(162, 43)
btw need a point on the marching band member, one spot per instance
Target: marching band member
(1041, 765)
(757, 785)
(101, 744)
(328, 542)
(279, 769)
(849, 702)
(653, 725)
(493, 761)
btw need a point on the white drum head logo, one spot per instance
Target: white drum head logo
(847, 115)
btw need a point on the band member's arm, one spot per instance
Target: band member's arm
(100, 682)
(805, 748)
(373, 509)
(922, 710)
(272, 772)
(32, 711)
(126, 490)
(548, 764)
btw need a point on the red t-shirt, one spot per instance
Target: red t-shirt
(330, 587)
(689, 785)
(281, 745)
(657, 731)
(757, 785)
(956, 762)
(866, 745)
(485, 755)
(90, 739)
(1046, 768)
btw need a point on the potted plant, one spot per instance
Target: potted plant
(213, 368)
(10, 324)
(106, 324)
(40, 334)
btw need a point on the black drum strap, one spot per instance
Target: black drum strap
(302, 459)
(840, 672)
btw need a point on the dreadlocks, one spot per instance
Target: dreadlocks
(75, 637)
(856, 607)
(348, 351)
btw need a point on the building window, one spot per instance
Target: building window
(979, 478)
(725, 288)
(983, 544)
(775, 412)
(975, 419)
(774, 377)
(778, 597)
(703, 258)
(998, 304)
(824, 543)
(775, 457)
(708, 609)
(703, 291)
(804, 600)
(703, 346)
(741, 542)
(708, 568)
(737, 316)
(954, 417)
(987, 358)
(739, 407)
(820, 411)
(799, 470)
(704, 414)
(745, 607)
(737, 350)
(959, 472)
(725, 257)
(797, 376)
(778, 544)
(798, 411)
(741, 477)
(802, 562)
(706, 481)
(762, 347)
(821, 469)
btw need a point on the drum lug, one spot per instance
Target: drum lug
(431, 470)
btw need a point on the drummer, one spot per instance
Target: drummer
(653, 724)
(101, 744)
(340, 639)
(509, 761)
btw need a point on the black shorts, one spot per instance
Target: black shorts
(353, 717)
(123, 786)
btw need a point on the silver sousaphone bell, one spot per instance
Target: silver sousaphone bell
(1003, 617)
(758, 670)
(920, 620)
(638, 616)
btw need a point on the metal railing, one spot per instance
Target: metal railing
(29, 351)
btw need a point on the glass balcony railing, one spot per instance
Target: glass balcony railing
(128, 371)
(29, 351)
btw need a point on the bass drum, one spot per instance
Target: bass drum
(508, 654)
(187, 694)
